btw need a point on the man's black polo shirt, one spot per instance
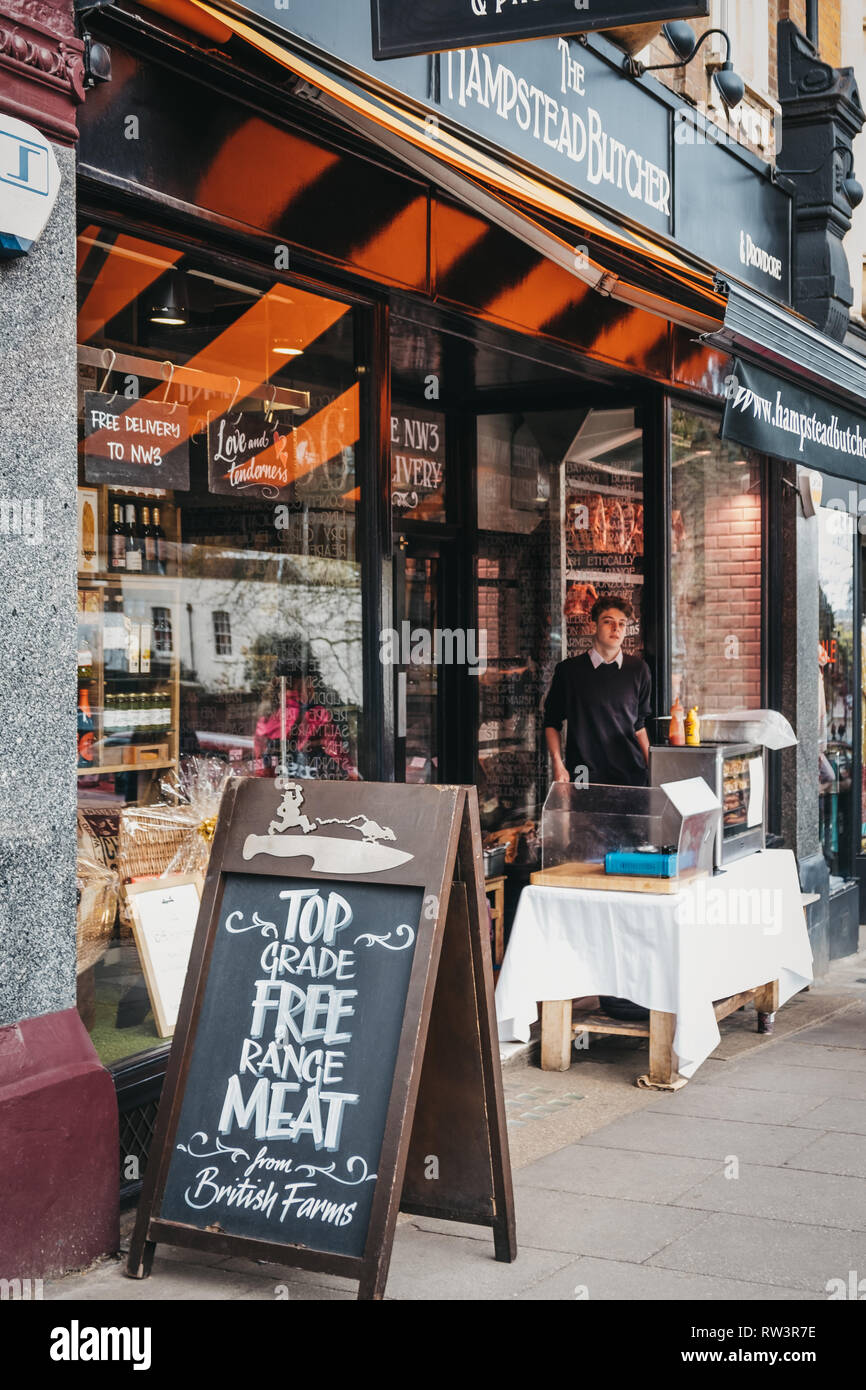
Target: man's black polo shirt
(603, 707)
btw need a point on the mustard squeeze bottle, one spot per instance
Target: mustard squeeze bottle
(693, 728)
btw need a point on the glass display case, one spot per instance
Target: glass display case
(735, 771)
(632, 838)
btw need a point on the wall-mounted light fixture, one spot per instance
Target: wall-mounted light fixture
(851, 187)
(682, 39)
(97, 56)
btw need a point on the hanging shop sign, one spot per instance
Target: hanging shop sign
(248, 457)
(29, 183)
(426, 26)
(336, 1029)
(774, 416)
(567, 109)
(139, 443)
(418, 464)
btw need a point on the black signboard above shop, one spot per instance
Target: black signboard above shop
(425, 26)
(775, 416)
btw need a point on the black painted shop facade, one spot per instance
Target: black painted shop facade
(495, 414)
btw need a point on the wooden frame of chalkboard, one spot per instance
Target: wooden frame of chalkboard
(378, 887)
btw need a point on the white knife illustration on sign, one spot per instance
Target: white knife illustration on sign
(330, 853)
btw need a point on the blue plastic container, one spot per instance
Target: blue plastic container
(641, 865)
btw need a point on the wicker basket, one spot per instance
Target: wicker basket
(151, 838)
(97, 908)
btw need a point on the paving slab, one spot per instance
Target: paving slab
(615, 1173)
(785, 1254)
(845, 1029)
(602, 1280)
(171, 1280)
(813, 1054)
(585, 1225)
(652, 1132)
(843, 1116)
(784, 1194)
(719, 1102)
(275, 1274)
(429, 1266)
(834, 1153)
(764, 1074)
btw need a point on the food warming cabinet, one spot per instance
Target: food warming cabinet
(735, 772)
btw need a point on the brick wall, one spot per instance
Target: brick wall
(717, 596)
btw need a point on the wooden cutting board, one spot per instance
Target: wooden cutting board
(583, 875)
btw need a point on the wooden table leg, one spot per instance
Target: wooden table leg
(766, 1003)
(662, 1059)
(556, 1035)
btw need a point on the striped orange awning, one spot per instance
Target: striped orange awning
(638, 270)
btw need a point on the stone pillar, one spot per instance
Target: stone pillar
(821, 115)
(58, 1114)
(800, 708)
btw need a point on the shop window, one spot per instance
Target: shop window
(836, 688)
(219, 586)
(716, 569)
(222, 633)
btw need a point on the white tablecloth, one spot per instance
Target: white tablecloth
(673, 952)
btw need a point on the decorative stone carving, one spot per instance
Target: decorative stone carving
(41, 66)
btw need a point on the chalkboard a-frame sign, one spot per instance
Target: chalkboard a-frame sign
(335, 1056)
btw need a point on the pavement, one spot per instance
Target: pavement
(748, 1184)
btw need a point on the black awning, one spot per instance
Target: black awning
(787, 419)
(756, 328)
(628, 265)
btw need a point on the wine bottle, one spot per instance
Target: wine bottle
(117, 539)
(159, 544)
(148, 541)
(134, 543)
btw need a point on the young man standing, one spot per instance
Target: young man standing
(604, 698)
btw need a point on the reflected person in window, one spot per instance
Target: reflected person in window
(315, 744)
(603, 697)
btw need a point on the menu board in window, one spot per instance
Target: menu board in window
(604, 524)
(417, 464)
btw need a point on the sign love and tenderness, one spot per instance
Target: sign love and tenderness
(335, 1056)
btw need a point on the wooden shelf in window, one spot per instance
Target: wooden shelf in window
(118, 577)
(123, 767)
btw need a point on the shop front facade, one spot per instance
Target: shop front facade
(363, 432)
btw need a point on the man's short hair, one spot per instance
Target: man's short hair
(601, 605)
